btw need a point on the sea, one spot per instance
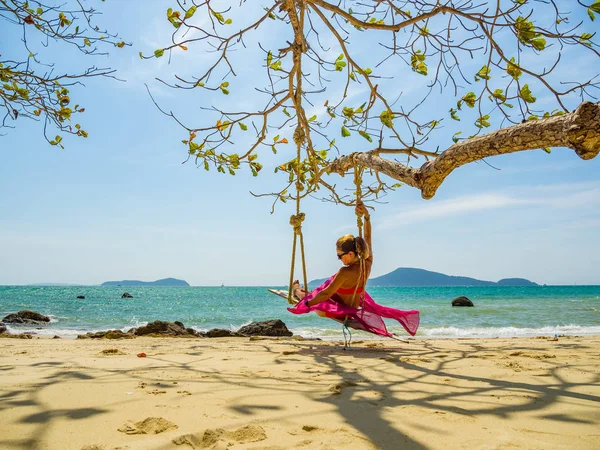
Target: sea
(500, 311)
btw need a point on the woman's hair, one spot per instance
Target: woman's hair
(358, 245)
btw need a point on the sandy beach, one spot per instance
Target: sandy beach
(268, 393)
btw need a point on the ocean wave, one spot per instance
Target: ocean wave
(492, 332)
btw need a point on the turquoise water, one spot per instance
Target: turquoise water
(498, 311)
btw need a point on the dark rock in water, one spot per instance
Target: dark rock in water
(27, 317)
(81, 296)
(219, 332)
(462, 301)
(126, 295)
(268, 328)
(110, 334)
(2, 328)
(165, 329)
(56, 336)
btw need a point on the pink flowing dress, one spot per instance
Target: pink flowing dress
(368, 318)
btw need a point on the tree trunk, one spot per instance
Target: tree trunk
(578, 130)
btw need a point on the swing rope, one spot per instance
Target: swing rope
(297, 219)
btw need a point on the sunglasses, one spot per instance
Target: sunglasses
(339, 255)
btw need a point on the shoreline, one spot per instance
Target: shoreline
(285, 393)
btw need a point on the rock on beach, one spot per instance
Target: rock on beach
(27, 317)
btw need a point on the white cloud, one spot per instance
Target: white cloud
(561, 196)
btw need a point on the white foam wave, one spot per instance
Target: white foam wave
(492, 332)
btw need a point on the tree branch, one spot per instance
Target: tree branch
(579, 130)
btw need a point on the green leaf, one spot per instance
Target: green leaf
(313, 118)
(276, 65)
(547, 150)
(387, 118)
(526, 95)
(539, 43)
(417, 62)
(39, 11)
(595, 6)
(591, 14)
(190, 12)
(513, 69)
(470, 99)
(455, 137)
(483, 74)
(368, 71)
(586, 39)
(482, 122)
(366, 135)
(345, 132)
(159, 53)
(498, 93)
(453, 114)
(285, 111)
(228, 22)
(269, 58)
(242, 126)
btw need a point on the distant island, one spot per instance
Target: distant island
(408, 276)
(165, 282)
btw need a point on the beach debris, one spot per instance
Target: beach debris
(151, 425)
(110, 334)
(81, 297)
(27, 317)
(266, 328)
(162, 328)
(112, 351)
(462, 301)
(141, 355)
(126, 295)
(156, 392)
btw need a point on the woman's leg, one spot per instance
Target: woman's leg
(299, 292)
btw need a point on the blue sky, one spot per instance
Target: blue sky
(121, 205)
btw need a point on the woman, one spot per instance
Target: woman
(349, 282)
(343, 297)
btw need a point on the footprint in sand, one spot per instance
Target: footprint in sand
(151, 425)
(219, 438)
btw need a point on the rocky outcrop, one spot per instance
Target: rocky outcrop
(219, 332)
(462, 301)
(81, 297)
(110, 334)
(27, 317)
(2, 328)
(267, 328)
(126, 295)
(158, 327)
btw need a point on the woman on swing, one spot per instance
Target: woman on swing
(342, 297)
(349, 282)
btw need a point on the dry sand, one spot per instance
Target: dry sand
(284, 393)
